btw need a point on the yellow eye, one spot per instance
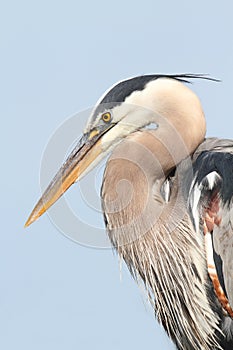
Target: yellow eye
(106, 117)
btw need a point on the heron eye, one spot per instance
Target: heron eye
(106, 117)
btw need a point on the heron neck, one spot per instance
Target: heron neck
(178, 112)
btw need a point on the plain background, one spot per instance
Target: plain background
(58, 57)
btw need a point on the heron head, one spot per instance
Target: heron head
(126, 107)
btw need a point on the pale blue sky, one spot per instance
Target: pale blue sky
(57, 58)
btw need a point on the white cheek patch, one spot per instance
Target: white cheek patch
(115, 135)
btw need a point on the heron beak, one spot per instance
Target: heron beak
(85, 152)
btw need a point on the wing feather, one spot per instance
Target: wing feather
(213, 175)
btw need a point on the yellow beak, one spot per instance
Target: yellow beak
(87, 150)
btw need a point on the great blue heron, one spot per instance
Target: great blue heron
(167, 201)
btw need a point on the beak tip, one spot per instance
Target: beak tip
(29, 221)
(35, 214)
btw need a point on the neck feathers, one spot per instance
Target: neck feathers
(178, 113)
(155, 238)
